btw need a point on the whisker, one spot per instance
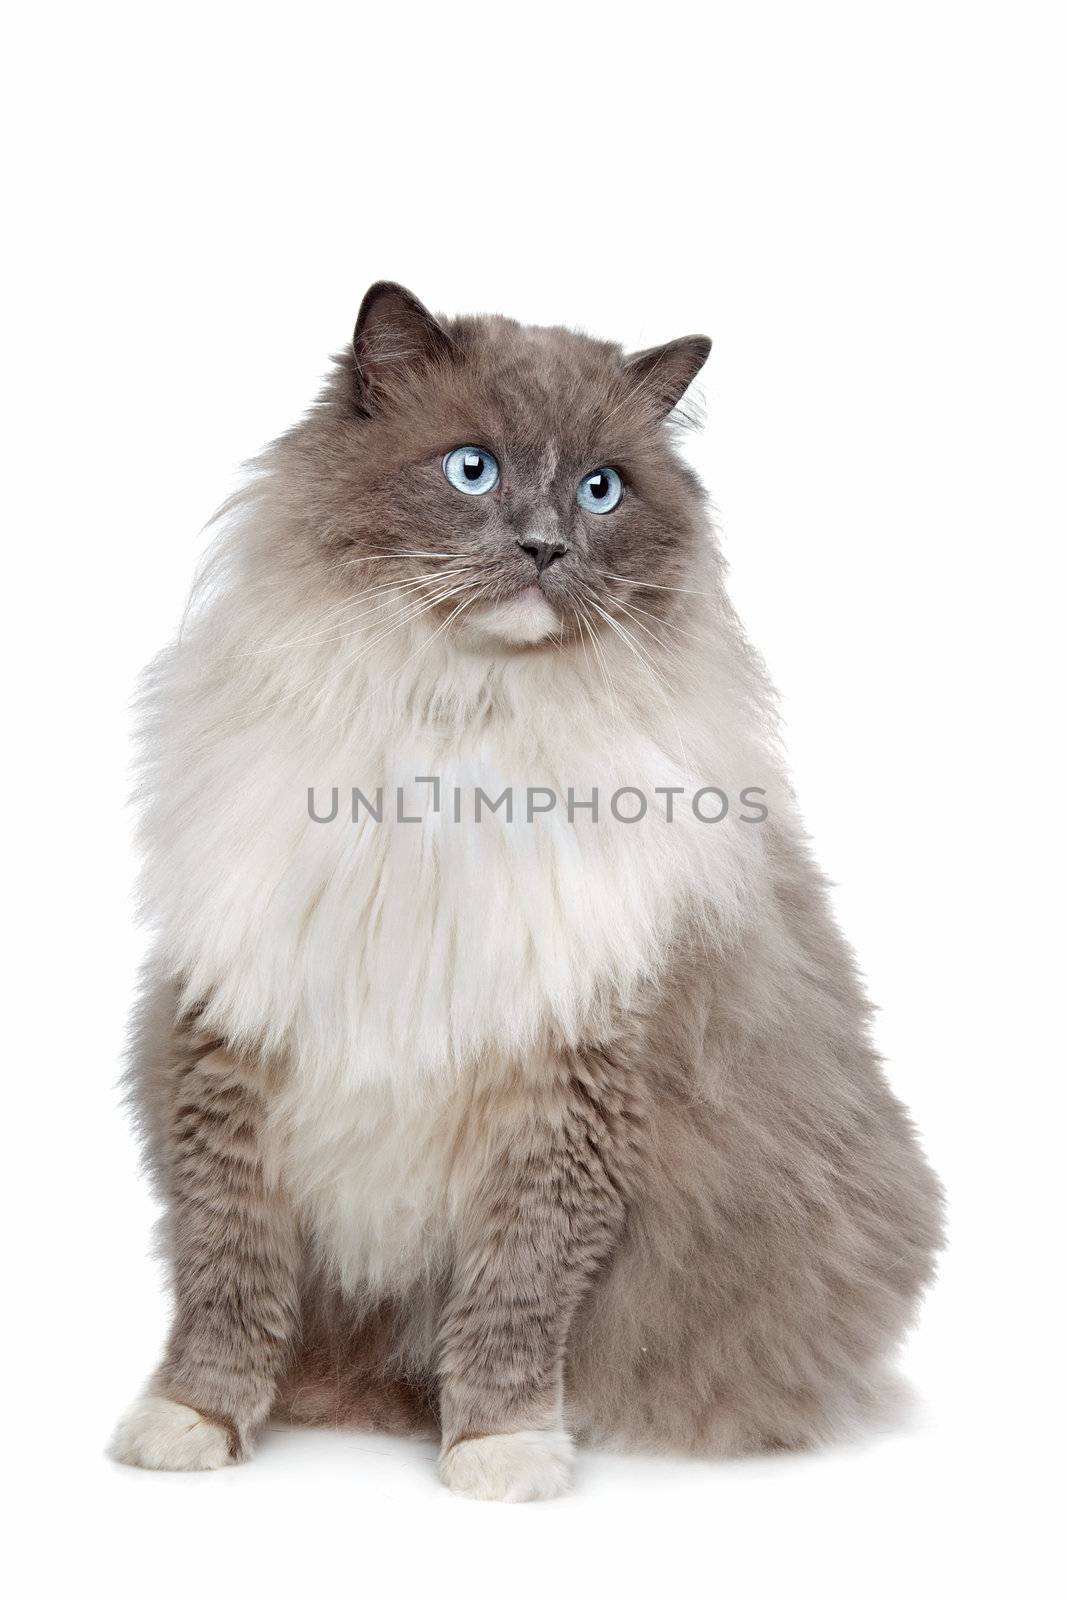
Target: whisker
(605, 673)
(416, 652)
(363, 607)
(405, 555)
(412, 611)
(667, 588)
(418, 609)
(635, 613)
(647, 667)
(580, 619)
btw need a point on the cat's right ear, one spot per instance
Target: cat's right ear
(394, 333)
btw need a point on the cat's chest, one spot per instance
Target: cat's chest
(439, 935)
(405, 936)
(386, 944)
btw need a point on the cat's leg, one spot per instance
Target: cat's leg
(234, 1250)
(537, 1227)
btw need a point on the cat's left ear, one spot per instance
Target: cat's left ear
(394, 332)
(665, 372)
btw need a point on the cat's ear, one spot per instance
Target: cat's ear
(664, 372)
(394, 332)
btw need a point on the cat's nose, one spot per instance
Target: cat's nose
(542, 551)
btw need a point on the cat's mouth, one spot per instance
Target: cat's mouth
(524, 618)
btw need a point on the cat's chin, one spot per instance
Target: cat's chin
(526, 618)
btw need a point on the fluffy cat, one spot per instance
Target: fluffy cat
(524, 1127)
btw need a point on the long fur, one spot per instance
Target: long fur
(434, 1016)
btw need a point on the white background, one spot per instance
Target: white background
(862, 204)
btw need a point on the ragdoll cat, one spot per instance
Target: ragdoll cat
(551, 1114)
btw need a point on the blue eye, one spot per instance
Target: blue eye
(600, 491)
(471, 470)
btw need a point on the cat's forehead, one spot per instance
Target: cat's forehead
(551, 388)
(548, 350)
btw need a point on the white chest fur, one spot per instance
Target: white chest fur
(374, 949)
(388, 961)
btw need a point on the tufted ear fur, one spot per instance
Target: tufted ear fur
(665, 371)
(394, 332)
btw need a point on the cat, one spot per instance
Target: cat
(556, 1122)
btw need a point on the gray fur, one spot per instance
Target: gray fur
(704, 1222)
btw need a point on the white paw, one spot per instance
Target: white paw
(169, 1437)
(532, 1465)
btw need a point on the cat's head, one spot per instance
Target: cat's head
(518, 483)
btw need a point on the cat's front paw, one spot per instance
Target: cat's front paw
(168, 1437)
(534, 1464)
